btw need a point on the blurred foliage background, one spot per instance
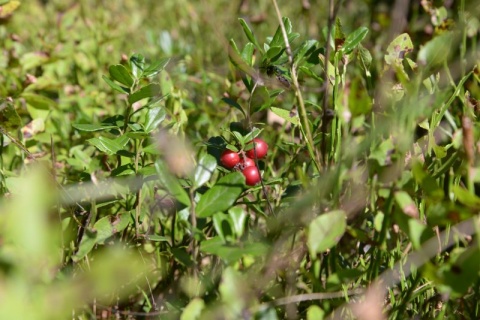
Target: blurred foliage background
(54, 55)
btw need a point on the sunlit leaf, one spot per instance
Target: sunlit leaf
(115, 86)
(221, 196)
(8, 8)
(325, 231)
(148, 91)
(155, 67)
(354, 39)
(102, 230)
(109, 146)
(398, 49)
(154, 117)
(204, 170)
(119, 73)
(286, 115)
(248, 32)
(171, 184)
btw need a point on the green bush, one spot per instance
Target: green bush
(359, 200)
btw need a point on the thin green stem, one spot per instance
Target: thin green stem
(298, 94)
(138, 202)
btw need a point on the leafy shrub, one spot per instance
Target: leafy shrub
(118, 199)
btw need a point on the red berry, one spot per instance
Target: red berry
(252, 175)
(247, 162)
(261, 147)
(229, 159)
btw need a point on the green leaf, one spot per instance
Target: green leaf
(288, 25)
(248, 32)
(151, 149)
(138, 135)
(103, 229)
(234, 46)
(286, 115)
(292, 36)
(277, 40)
(204, 170)
(465, 197)
(304, 49)
(330, 70)
(154, 117)
(115, 86)
(38, 101)
(437, 50)
(147, 171)
(382, 151)
(148, 91)
(274, 53)
(326, 230)
(238, 218)
(124, 170)
(193, 310)
(415, 232)
(93, 127)
(354, 39)
(315, 313)
(260, 99)
(365, 59)
(231, 253)
(398, 49)
(171, 184)
(218, 219)
(137, 64)
(238, 136)
(166, 84)
(406, 204)
(464, 269)
(234, 104)
(309, 72)
(109, 146)
(157, 238)
(32, 60)
(155, 67)
(9, 118)
(250, 136)
(119, 73)
(247, 53)
(428, 184)
(222, 196)
(181, 255)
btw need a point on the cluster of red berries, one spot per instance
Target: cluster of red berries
(243, 161)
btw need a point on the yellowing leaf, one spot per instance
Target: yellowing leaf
(8, 8)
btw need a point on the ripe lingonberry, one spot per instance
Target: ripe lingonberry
(252, 175)
(247, 162)
(229, 158)
(260, 146)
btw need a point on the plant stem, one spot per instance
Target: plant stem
(138, 203)
(298, 94)
(193, 221)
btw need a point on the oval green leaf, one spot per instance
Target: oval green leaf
(148, 91)
(354, 39)
(205, 168)
(154, 117)
(171, 184)
(222, 196)
(325, 231)
(119, 73)
(103, 229)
